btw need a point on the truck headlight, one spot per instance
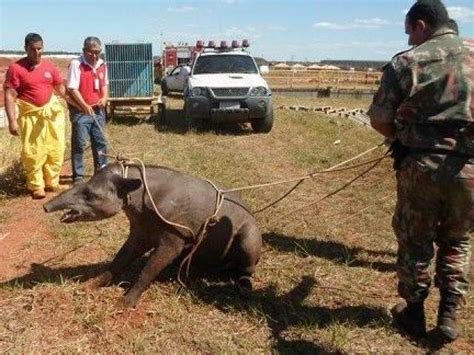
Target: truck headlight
(259, 91)
(197, 91)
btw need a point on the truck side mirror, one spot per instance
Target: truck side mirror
(264, 69)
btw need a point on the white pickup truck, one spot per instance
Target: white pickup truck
(226, 85)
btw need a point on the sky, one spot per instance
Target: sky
(278, 30)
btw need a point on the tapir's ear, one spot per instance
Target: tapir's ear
(129, 185)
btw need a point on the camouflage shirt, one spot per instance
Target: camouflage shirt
(427, 92)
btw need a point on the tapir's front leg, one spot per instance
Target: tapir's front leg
(169, 248)
(133, 248)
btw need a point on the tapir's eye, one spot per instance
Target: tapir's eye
(89, 196)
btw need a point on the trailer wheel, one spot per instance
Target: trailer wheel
(109, 112)
(164, 88)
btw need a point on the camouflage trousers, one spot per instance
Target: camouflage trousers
(433, 209)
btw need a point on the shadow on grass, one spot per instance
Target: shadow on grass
(330, 250)
(13, 181)
(40, 273)
(173, 120)
(281, 311)
(45, 274)
(131, 120)
(285, 311)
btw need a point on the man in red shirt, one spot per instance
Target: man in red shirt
(88, 84)
(29, 84)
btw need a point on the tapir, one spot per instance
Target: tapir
(233, 242)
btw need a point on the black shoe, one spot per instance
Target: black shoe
(447, 326)
(410, 319)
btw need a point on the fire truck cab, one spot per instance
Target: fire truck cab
(226, 85)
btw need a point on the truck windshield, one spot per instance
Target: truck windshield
(214, 64)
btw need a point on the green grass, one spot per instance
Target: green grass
(324, 283)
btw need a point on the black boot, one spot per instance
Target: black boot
(447, 326)
(410, 318)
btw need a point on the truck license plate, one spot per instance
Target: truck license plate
(229, 105)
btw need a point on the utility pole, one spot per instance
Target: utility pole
(161, 50)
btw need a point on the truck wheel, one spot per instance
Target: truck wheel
(164, 88)
(265, 124)
(188, 120)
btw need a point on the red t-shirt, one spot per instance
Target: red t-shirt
(33, 84)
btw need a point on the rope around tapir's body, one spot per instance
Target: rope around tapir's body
(220, 197)
(210, 221)
(220, 194)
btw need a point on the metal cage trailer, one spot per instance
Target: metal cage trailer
(131, 78)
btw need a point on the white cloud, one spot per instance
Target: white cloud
(357, 23)
(229, 2)
(276, 28)
(181, 9)
(234, 32)
(376, 22)
(331, 26)
(248, 32)
(461, 14)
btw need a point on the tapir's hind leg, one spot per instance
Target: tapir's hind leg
(246, 254)
(169, 248)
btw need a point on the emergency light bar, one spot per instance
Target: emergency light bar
(199, 44)
(223, 44)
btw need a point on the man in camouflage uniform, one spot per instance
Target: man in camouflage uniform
(425, 103)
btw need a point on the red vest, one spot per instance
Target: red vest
(91, 84)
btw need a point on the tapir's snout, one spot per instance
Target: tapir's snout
(46, 208)
(50, 206)
(58, 202)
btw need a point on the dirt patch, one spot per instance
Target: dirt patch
(25, 237)
(24, 230)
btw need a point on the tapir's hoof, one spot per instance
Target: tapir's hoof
(244, 285)
(99, 281)
(126, 303)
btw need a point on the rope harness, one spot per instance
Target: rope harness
(212, 220)
(203, 231)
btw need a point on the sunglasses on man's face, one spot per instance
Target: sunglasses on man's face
(93, 52)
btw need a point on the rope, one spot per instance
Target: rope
(377, 162)
(311, 175)
(220, 195)
(94, 116)
(210, 221)
(147, 189)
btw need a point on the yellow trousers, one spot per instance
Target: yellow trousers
(43, 142)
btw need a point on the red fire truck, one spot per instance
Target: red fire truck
(180, 54)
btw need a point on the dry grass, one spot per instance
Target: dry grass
(324, 283)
